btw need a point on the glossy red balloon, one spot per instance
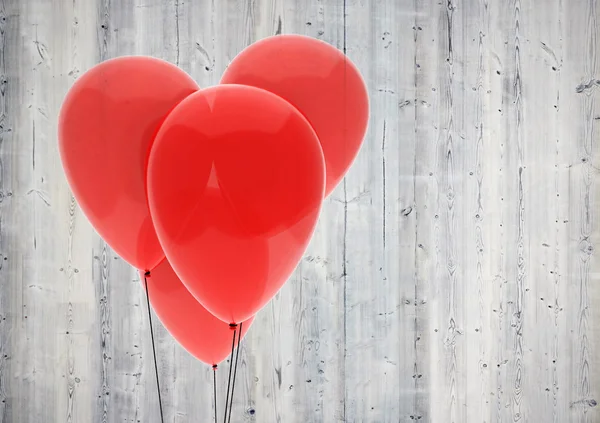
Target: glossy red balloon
(106, 126)
(235, 186)
(199, 332)
(321, 82)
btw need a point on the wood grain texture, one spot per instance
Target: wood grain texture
(453, 276)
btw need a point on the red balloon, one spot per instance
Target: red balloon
(321, 82)
(235, 185)
(107, 124)
(199, 332)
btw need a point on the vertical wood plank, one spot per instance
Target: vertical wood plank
(542, 61)
(581, 132)
(446, 34)
(11, 395)
(81, 327)
(505, 227)
(512, 230)
(263, 380)
(155, 31)
(128, 385)
(475, 137)
(382, 286)
(187, 38)
(316, 388)
(561, 342)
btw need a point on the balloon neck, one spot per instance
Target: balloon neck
(233, 326)
(147, 273)
(214, 367)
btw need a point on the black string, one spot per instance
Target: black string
(215, 388)
(234, 327)
(146, 275)
(237, 354)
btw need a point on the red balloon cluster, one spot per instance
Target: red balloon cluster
(227, 182)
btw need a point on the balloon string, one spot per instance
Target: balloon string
(237, 354)
(234, 327)
(215, 388)
(146, 275)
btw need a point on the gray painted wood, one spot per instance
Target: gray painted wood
(453, 276)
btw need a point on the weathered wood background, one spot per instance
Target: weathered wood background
(453, 276)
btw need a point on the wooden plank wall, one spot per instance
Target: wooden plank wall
(453, 276)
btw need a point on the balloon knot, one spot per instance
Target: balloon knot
(233, 326)
(214, 367)
(147, 273)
